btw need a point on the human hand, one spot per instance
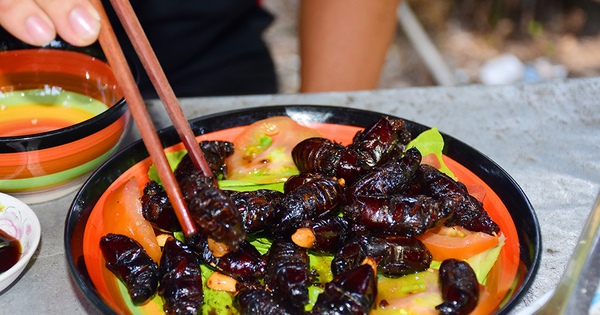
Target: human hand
(37, 22)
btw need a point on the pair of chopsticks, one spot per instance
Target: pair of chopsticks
(137, 107)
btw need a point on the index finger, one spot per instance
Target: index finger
(27, 21)
(76, 21)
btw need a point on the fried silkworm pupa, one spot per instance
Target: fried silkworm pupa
(323, 236)
(384, 136)
(128, 260)
(287, 271)
(397, 214)
(315, 199)
(212, 210)
(395, 255)
(263, 302)
(322, 156)
(180, 279)
(157, 209)
(302, 179)
(255, 207)
(468, 211)
(298, 180)
(393, 177)
(460, 289)
(352, 292)
(214, 152)
(244, 264)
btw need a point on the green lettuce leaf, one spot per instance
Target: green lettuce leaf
(239, 185)
(173, 158)
(313, 295)
(431, 142)
(483, 262)
(262, 244)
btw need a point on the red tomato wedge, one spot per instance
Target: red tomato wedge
(490, 295)
(477, 191)
(267, 147)
(123, 215)
(456, 242)
(431, 159)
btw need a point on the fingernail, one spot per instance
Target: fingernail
(85, 23)
(41, 31)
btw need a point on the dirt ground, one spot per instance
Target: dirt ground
(464, 51)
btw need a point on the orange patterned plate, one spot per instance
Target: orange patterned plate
(505, 202)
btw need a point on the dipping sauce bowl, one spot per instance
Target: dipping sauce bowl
(61, 116)
(18, 221)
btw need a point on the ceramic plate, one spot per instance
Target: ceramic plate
(505, 201)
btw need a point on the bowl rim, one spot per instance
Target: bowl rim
(35, 240)
(70, 133)
(459, 151)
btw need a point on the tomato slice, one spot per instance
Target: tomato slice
(415, 294)
(456, 242)
(123, 215)
(263, 150)
(489, 295)
(477, 191)
(431, 159)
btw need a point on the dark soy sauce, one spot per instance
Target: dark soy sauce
(10, 251)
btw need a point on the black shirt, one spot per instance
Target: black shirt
(206, 47)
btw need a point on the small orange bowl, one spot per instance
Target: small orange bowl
(61, 116)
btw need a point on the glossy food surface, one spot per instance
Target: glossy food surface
(84, 222)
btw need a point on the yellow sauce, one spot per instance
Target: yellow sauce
(34, 112)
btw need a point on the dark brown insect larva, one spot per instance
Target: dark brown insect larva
(287, 271)
(318, 198)
(244, 264)
(263, 302)
(397, 215)
(214, 152)
(132, 265)
(383, 137)
(256, 208)
(460, 289)
(468, 211)
(180, 279)
(395, 256)
(396, 176)
(212, 210)
(157, 209)
(329, 234)
(352, 292)
(322, 156)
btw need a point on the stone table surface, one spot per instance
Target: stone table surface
(545, 135)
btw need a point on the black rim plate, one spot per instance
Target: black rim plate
(500, 182)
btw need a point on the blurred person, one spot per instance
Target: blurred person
(215, 47)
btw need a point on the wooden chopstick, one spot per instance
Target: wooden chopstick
(142, 46)
(142, 118)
